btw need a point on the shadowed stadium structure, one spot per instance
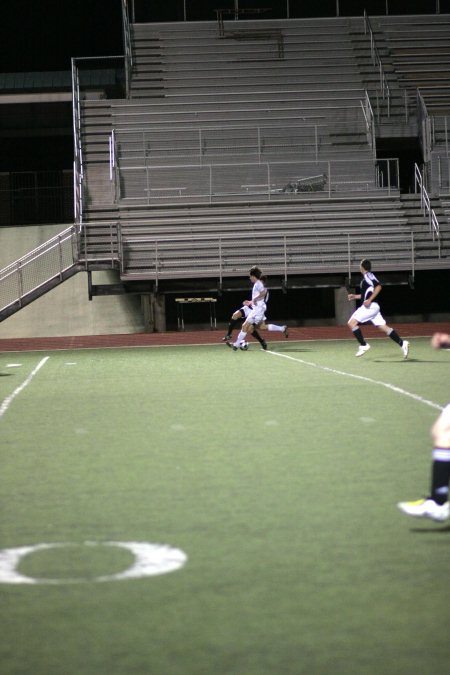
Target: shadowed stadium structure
(210, 143)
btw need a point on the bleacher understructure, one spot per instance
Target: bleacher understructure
(255, 142)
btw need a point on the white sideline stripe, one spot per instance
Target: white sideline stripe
(392, 387)
(7, 402)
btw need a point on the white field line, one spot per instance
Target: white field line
(7, 402)
(392, 387)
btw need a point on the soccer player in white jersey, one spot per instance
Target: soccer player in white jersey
(236, 317)
(436, 506)
(257, 305)
(242, 313)
(370, 311)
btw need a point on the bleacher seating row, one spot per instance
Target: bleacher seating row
(418, 48)
(222, 135)
(174, 234)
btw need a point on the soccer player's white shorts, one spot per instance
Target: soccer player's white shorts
(441, 429)
(372, 313)
(256, 314)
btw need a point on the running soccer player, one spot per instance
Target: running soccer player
(370, 311)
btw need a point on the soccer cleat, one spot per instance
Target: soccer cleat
(226, 338)
(286, 332)
(405, 348)
(362, 350)
(263, 344)
(228, 344)
(426, 508)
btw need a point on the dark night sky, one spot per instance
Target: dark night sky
(45, 34)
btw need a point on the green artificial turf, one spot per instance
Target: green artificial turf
(277, 474)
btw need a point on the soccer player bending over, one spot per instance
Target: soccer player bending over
(257, 306)
(242, 314)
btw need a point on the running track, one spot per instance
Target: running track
(203, 337)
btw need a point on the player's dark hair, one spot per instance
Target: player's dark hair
(255, 272)
(366, 264)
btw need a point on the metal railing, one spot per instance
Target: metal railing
(179, 183)
(114, 167)
(127, 58)
(196, 143)
(284, 253)
(424, 127)
(369, 122)
(440, 167)
(127, 46)
(89, 82)
(426, 205)
(77, 151)
(388, 173)
(36, 269)
(286, 9)
(440, 127)
(377, 62)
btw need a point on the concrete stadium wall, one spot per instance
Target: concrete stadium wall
(66, 310)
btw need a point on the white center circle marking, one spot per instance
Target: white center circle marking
(150, 560)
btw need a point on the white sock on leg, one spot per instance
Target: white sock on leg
(240, 337)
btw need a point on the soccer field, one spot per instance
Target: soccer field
(197, 511)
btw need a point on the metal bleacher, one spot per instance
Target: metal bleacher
(220, 150)
(255, 141)
(418, 53)
(310, 235)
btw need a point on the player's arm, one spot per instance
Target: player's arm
(259, 297)
(354, 296)
(372, 297)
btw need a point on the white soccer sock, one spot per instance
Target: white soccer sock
(240, 337)
(274, 328)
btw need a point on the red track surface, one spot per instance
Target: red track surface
(204, 337)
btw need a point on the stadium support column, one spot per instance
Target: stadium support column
(154, 312)
(343, 308)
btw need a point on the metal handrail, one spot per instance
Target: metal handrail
(443, 173)
(424, 127)
(12, 277)
(31, 255)
(78, 166)
(78, 155)
(440, 126)
(376, 60)
(426, 204)
(369, 121)
(127, 46)
(112, 154)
